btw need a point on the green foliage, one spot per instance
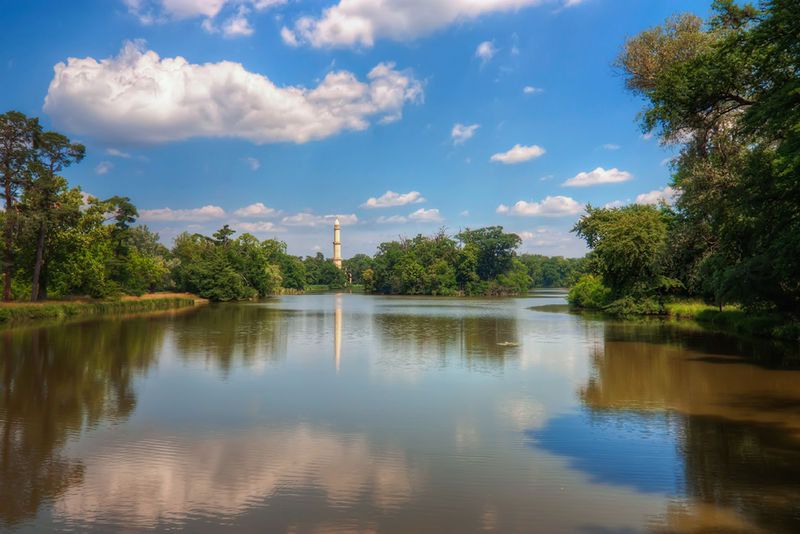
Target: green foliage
(495, 249)
(729, 93)
(60, 310)
(436, 265)
(589, 293)
(554, 271)
(223, 268)
(628, 245)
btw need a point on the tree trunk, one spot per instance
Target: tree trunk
(37, 269)
(43, 281)
(9, 244)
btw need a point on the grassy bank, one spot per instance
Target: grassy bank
(22, 311)
(737, 320)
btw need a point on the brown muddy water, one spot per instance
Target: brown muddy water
(351, 413)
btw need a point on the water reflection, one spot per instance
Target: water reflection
(224, 335)
(730, 427)
(163, 423)
(56, 382)
(337, 331)
(426, 339)
(152, 482)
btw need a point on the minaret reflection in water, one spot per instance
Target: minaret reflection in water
(337, 330)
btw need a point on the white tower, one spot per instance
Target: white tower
(337, 244)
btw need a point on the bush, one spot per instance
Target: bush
(589, 293)
(634, 306)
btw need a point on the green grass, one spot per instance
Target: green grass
(690, 309)
(58, 310)
(733, 318)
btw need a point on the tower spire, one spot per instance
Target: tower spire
(337, 244)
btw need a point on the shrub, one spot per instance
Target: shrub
(589, 293)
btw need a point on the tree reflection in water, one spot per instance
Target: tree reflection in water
(482, 341)
(56, 382)
(221, 334)
(739, 424)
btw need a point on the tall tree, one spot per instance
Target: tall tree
(18, 135)
(53, 153)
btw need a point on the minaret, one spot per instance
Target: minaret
(337, 244)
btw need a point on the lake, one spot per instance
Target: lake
(353, 413)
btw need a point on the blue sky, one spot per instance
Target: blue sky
(275, 115)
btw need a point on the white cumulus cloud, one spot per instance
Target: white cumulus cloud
(518, 154)
(668, 195)
(309, 219)
(138, 97)
(390, 198)
(423, 215)
(234, 12)
(255, 210)
(117, 153)
(256, 227)
(352, 23)
(461, 133)
(485, 51)
(529, 90)
(598, 176)
(205, 213)
(556, 206)
(394, 219)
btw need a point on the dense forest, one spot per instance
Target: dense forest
(59, 242)
(726, 93)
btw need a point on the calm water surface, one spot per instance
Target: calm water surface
(349, 413)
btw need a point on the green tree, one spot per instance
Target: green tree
(18, 135)
(628, 245)
(495, 249)
(53, 153)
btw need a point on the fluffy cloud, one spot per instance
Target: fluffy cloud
(668, 195)
(255, 210)
(256, 227)
(485, 51)
(598, 176)
(518, 154)
(197, 214)
(137, 97)
(360, 22)
(234, 12)
(557, 206)
(390, 198)
(423, 215)
(461, 133)
(103, 167)
(394, 219)
(117, 153)
(528, 90)
(552, 242)
(309, 219)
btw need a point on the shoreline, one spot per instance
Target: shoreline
(19, 312)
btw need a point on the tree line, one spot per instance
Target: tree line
(483, 261)
(726, 91)
(61, 242)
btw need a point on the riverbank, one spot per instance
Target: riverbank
(58, 309)
(736, 320)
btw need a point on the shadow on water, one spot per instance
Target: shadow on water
(56, 382)
(669, 418)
